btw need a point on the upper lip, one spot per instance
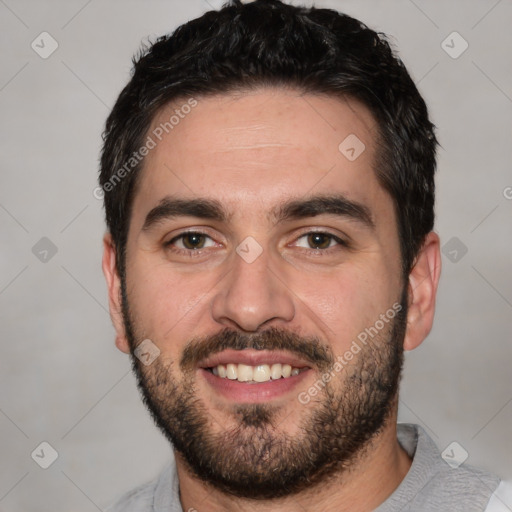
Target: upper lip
(252, 357)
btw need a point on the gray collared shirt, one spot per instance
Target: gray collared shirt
(431, 485)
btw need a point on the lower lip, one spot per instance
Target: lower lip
(253, 392)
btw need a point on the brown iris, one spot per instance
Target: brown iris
(319, 240)
(193, 240)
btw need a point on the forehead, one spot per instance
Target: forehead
(255, 149)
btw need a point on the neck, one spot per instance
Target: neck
(370, 480)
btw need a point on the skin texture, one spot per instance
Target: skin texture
(252, 152)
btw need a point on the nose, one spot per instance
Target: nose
(253, 294)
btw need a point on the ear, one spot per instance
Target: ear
(422, 289)
(114, 292)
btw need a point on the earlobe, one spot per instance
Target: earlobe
(422, 289)
(114, 292)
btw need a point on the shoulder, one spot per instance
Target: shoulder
(160, 494)
(454, 484)
(501, 499)
(139, 499)
(438, 482)
(464, 486)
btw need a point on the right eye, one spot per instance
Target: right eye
(189, 242)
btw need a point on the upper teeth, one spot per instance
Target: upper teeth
(260, 373)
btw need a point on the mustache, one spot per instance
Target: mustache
(310, 349)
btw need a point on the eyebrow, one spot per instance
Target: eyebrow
(294, 209)
(169, 208)
(336, 204)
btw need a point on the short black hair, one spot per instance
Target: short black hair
(270, 43)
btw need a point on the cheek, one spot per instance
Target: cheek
(346, 302)
(164, 303)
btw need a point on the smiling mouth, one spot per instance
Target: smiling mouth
(255, 374)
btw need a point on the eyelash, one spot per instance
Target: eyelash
(198, 252)
(191, 253)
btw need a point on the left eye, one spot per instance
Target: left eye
(191, 241)
(318, 240)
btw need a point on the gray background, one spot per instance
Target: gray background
(62, 380)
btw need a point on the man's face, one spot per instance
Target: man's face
(255, 238)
